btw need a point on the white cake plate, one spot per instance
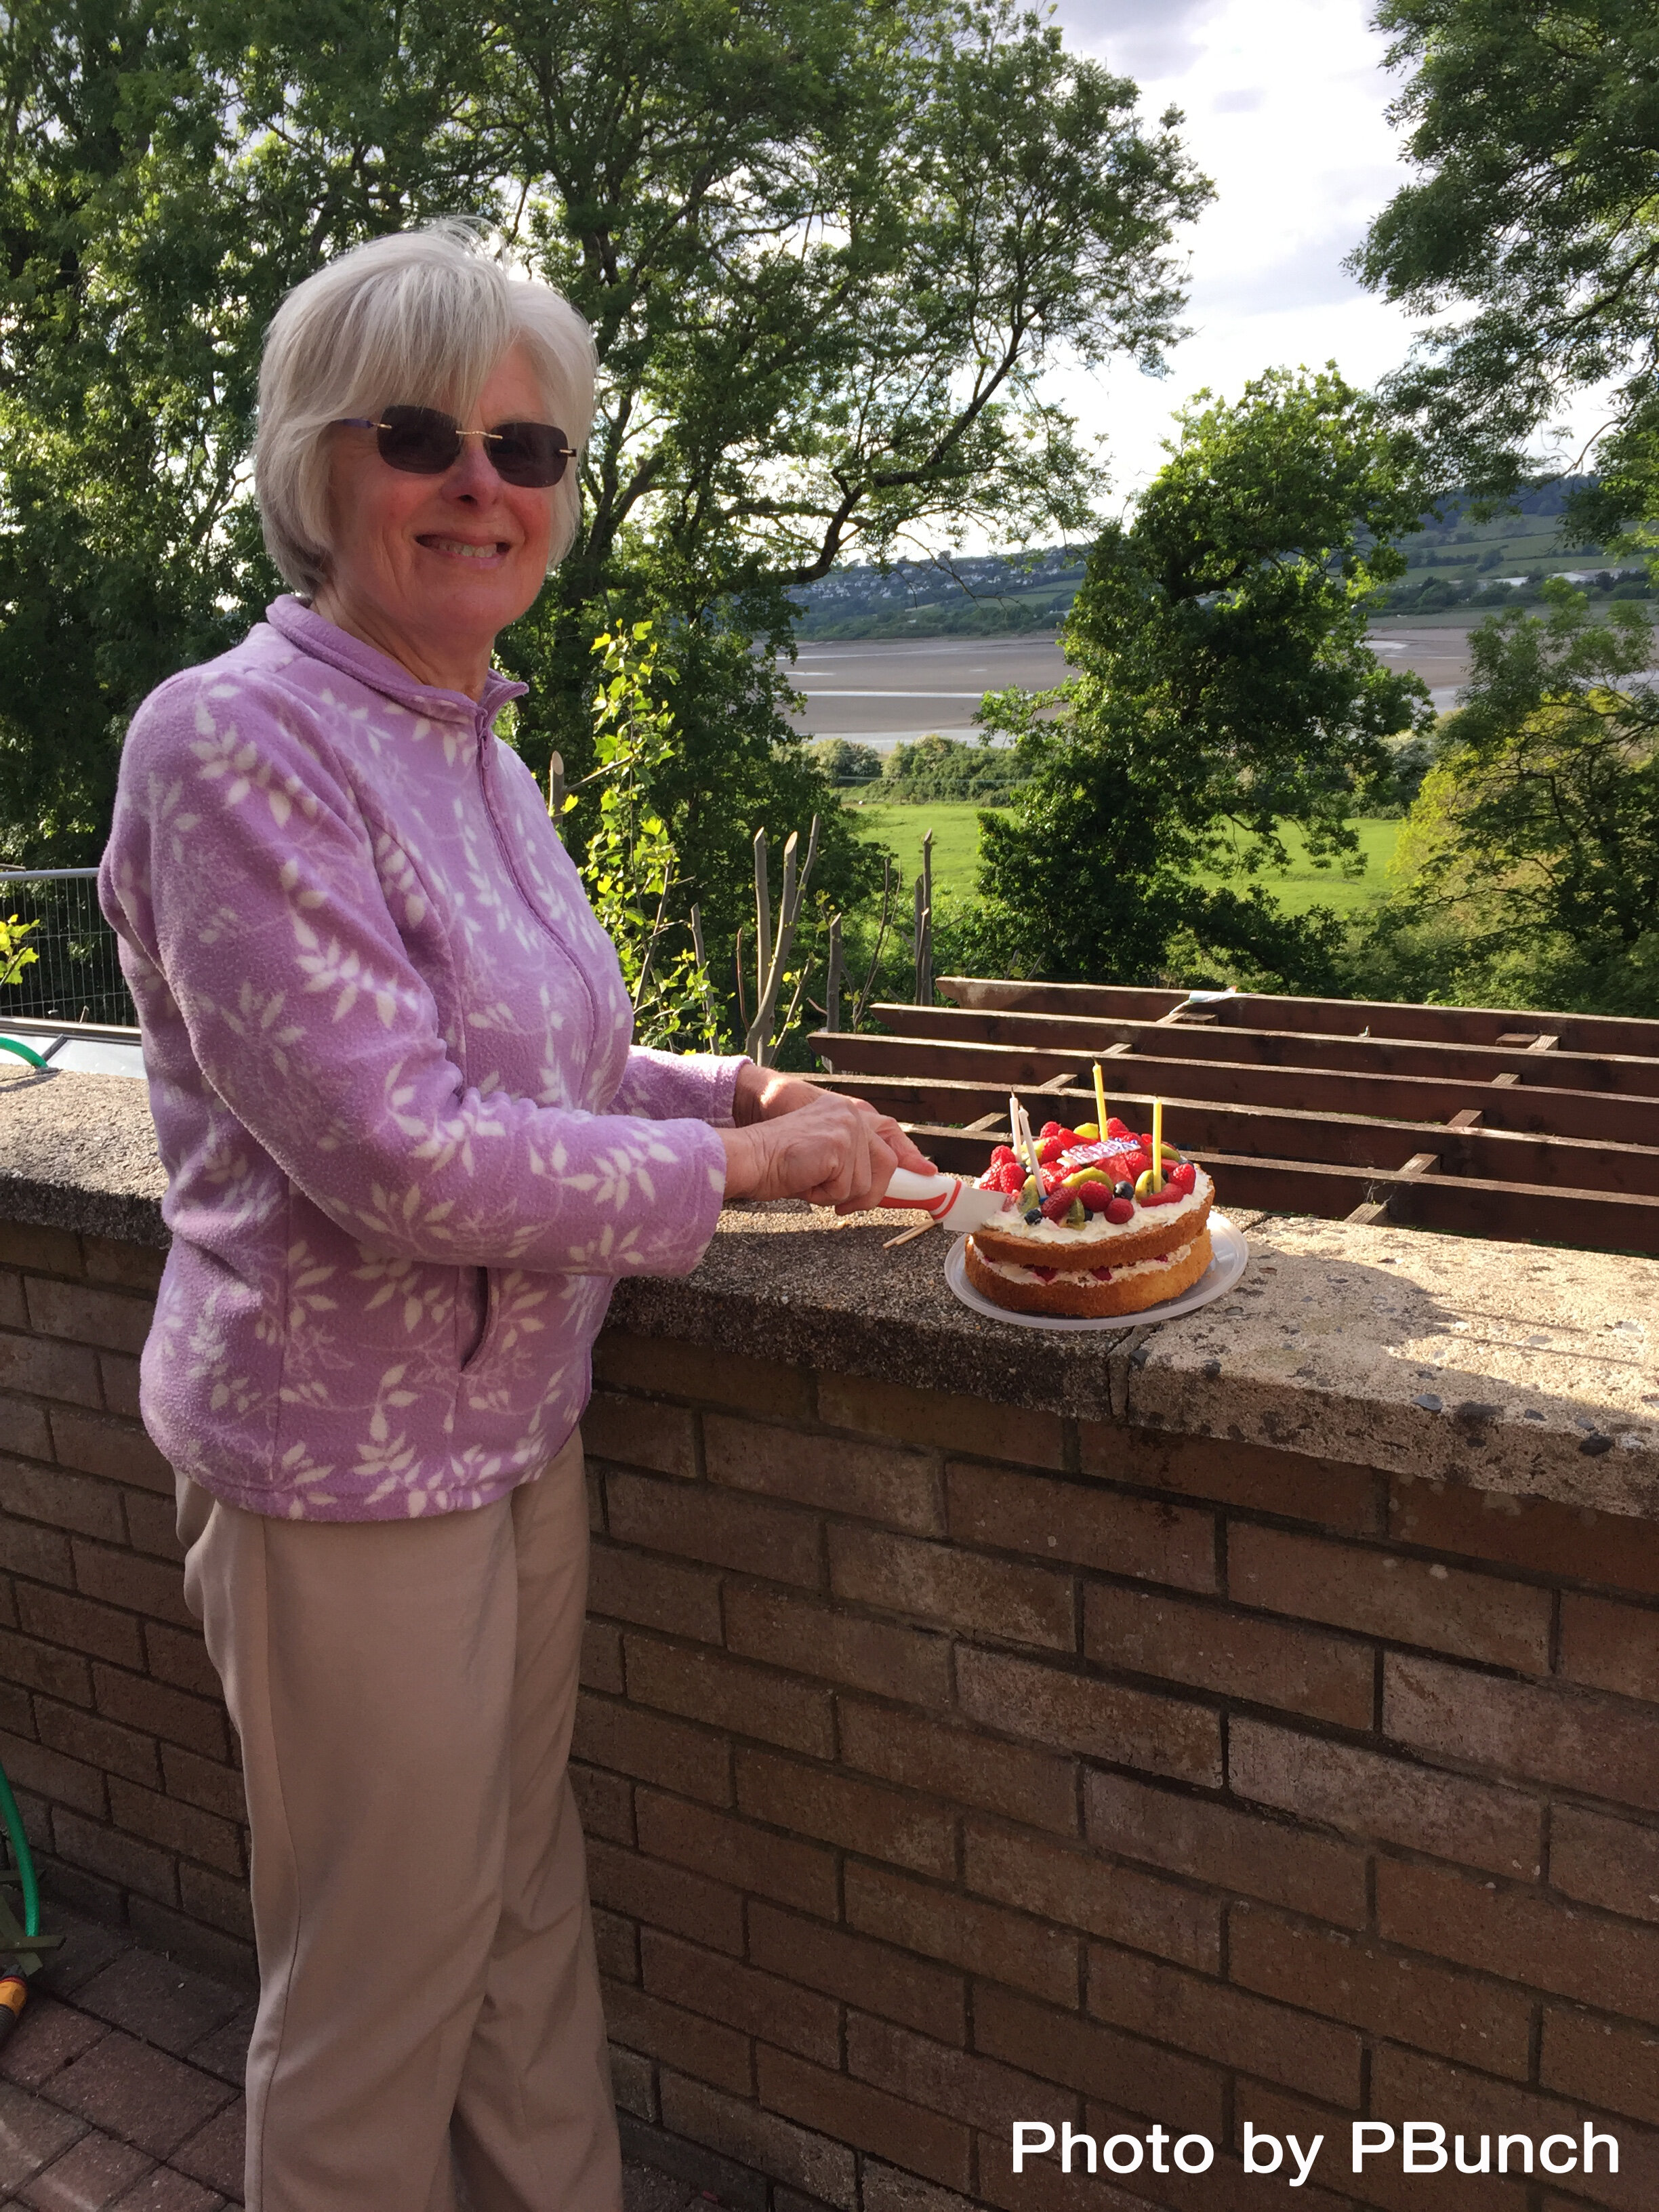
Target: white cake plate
(1230, 1256)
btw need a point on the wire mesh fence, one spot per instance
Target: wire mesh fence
(76, 975)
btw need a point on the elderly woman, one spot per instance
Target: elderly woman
(409, 1149)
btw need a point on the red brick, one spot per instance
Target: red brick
(1181, 2091)
(683, 1600)
(97, 1742)
(1533, 1534)
(119, 1857)
(637, 1433)
(1233, 1851)
(204, 1782)
(1605, 1862)
(145, 1586)
(1080, 1523)
(1103, 1720)
(121, 1384)
(821, 2169)
(1610, 1647)
(702, 1371)
(631, 2080)
(984, 1939)
(198, 1723)
(64, 1500)
(176, 1827)
(1595, 1744)
(24, 1427)
(1381, 1593)
(1225, 2024)
(51, 1251)
(1215, 1648)
(1077, 1890)
(215, 1899)
(959, 2083)
(42, 1667)
(1331, 1494)
(118, 1449)
(127, 1266)
(942, 1418)
(873, 1481)
(178, 1657)
(702, 2047)
(1521, 1935)
(959, 1763)
(47, 1370)
(987, 1597)
(1277, 2112)
(14, 1312)
(868, 2119)
(42, 1554)
(1410, 2000)
(816, 1801)
(65, 1781)
(15, 1711)
(702, 1523)
(886, 2189)
(1604, 2064)
(766, 2005)
(1406, 2086)
(152, 1525)
(735, 1852)
(752, 1701)
(605, 1802)
(1366, 1793)
(816, 1639)
(653, 1749)
(56, 1618)
(665, 1896)
(891, 1982)
(88, 1316)
(602, 1659)
(617, 1946)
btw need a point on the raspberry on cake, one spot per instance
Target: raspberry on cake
(1102, 1238)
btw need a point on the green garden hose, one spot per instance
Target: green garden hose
(10, 1044)
(14, 1988)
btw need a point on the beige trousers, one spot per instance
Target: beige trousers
(428, 2033)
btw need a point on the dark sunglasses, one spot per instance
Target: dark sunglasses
(423, 442)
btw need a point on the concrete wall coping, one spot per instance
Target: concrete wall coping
(1520, 1370)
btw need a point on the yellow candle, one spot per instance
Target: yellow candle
(1100, 1103)
(1157, 1144)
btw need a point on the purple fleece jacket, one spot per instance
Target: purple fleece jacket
(409, 1144)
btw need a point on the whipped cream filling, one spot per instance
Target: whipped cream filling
(1012, 1274)
(1096, 1230)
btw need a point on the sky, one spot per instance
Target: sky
(1284, 103)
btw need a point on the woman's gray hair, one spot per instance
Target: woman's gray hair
(419, 318)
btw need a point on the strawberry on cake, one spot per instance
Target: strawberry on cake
(1100, 1236)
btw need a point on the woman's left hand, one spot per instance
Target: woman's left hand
(763, 1093)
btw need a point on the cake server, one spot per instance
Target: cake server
(953, 1204)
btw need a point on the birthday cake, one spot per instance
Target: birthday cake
(1095, 1230)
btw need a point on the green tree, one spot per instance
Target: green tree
(1534, 125)
(827, 247)
(1225, 688)
(1530, 860)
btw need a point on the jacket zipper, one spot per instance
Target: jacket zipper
(509, 863)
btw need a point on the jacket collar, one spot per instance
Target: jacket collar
(314, 634)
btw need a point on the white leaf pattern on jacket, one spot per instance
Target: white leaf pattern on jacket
(390, 1065)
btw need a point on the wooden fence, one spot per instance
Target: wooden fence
(1539, 1127)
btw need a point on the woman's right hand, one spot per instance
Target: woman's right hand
(835, 1152)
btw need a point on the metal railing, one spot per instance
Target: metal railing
(75, 975)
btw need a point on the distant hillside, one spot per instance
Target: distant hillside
(1451, 561)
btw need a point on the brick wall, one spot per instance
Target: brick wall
(944, 1764)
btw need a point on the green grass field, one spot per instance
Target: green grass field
(955, 826)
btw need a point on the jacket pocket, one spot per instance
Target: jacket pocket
(476, 1305)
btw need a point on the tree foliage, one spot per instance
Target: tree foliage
(827, 247)
(1531, 857)
(1225, 688)
(1536, 126)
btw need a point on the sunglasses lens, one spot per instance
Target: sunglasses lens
(528, 454)
(419, 441)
